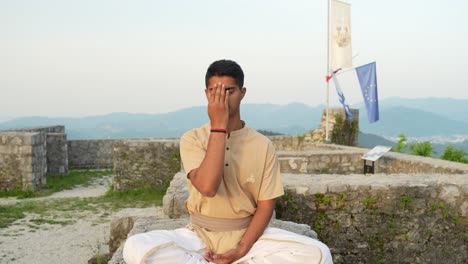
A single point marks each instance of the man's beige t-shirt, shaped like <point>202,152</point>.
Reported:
<point>251,173</point>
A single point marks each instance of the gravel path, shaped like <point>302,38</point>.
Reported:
<point>96,188</point>
<point>27,242</point>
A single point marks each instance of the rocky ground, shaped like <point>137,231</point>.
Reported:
<point>28,240</point>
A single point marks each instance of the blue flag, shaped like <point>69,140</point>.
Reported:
<point>368,80</point>
<point>349,114</point>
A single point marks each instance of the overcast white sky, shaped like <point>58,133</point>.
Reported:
<point>87,57</point>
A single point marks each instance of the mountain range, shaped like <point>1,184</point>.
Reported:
<point>424,118</point>
<point>428,117</point>
<point>287,119</point>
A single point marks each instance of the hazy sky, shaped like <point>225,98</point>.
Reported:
<point>86,57</point>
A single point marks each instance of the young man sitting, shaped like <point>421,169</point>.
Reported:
<point>234,178</point>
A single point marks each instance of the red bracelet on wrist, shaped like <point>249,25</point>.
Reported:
<point>218,130</point>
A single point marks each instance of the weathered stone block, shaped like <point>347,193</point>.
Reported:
<point>176,195</point>
<point>449,193</point>
<point>145,163</point>
<point>18,159</point>
<point>119,229</point>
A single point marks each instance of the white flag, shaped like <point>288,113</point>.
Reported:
<point>340,35</point>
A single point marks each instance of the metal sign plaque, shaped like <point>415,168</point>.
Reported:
<point>375,153</point>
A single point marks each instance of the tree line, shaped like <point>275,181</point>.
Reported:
<point>425,149</point>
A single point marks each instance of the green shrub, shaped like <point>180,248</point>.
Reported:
<point>424,149</point>
<point>401,144</point>
<point>454,154</point>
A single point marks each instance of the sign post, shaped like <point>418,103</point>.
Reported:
<point>373,155</point>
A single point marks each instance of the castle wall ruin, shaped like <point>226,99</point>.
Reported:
<point>22,160</point>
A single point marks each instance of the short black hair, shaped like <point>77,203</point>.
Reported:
<point>225,68</point>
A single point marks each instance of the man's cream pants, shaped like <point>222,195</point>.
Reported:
<point>275,246</point>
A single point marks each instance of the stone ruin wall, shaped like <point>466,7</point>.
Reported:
<point>145,164</point>
<point>42,129</point>
<point>310,139</point>
<point>56,146</point>
<point>26,158</point>
<point>22,160</point>
<point>382,218</point>
<point>57,153</point>
<point>318,135</point>
<point>27,155</point>
<point>333,159</point>
<point>90,154</point>
<point>310,158</point>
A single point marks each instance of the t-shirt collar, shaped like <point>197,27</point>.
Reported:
<point>239,132</point>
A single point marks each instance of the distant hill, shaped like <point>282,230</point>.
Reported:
<point>286,119</point>
<point>411,122</point>
<point>429,117</point>
<point>455,109</point>
<point>369,140</point>
<point>4,118</point>
<point>419,117</point>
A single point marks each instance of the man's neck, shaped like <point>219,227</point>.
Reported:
<point>235,123</point>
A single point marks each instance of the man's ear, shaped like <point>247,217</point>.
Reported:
<point>243,91</point>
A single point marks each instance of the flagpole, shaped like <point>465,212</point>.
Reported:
<point>328,71</point>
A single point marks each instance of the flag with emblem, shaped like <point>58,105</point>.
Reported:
<point>368,80</point>
<point>340,35</point>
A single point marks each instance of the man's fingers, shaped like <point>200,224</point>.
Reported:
<point>220,256</point>
<point>209,256</point>
<point>215,89</point>
<point>220,259</point>
<point>222,94</point>
<point>217,92</point>
<point>217,259</point>
<point>226,99</point>
<point>212,92</point>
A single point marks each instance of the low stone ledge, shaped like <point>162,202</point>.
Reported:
<point>347,160</point>
<point>320,161</point>
<point>393,162</point>
<point>295,143</point>
<point>450,189</point>
<point>396,218</point>
<point>143,225</point>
